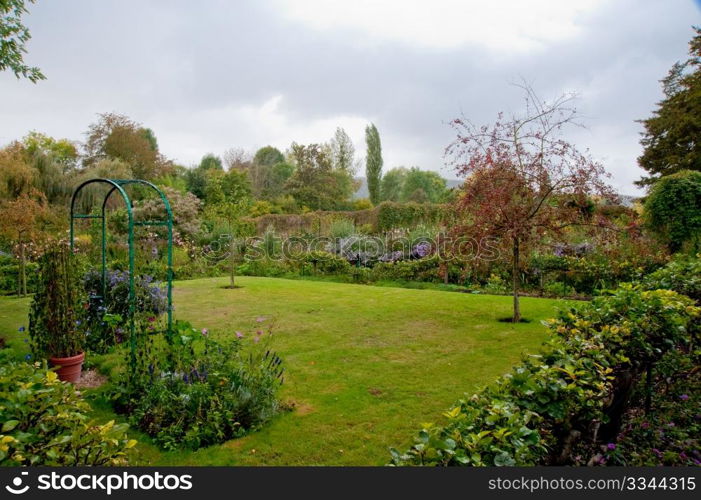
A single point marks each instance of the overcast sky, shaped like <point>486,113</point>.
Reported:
<point>210,75</point>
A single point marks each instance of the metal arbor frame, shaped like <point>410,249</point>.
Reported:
<point>119,185</point>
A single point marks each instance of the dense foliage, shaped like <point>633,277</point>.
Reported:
<point>45,422</point>
<point>570,403</point>
<point>194,391</point>
<point>671,137</point>
<point>54,312</point>
<point>673,210</point>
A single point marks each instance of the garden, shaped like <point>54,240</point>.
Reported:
<point>253,310</point>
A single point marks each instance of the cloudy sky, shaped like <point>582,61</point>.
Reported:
<point>210,75</point>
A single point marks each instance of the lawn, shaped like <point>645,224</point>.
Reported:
<point>365,365</point>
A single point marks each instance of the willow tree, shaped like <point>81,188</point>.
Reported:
<point>22,223</point>
<point>524,181</point>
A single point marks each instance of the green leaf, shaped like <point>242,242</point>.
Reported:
<point>9,425</point>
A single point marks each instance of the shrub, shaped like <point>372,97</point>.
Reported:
<point>263,267</point>
<point>673,209</point>
<point>324,262</point>
<point>426,269</point>
<point>45,422</point>
<point>682,275</point>
<point>9,273</point>
<point>53,314</point>
<point>195,391</point>
<point>576,389</point>
<point>104,318</point>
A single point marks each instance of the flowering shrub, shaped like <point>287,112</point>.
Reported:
<point>196,391</point>
<point>670,434</point>
<point>576,390</point>
<point>104,318</point>
<point>45,422</point>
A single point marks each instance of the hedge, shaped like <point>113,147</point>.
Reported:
<point>575,390</point>
<point>384,217</point>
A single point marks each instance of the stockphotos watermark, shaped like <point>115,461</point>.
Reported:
<point>362,248</point>
<point>98,482</point>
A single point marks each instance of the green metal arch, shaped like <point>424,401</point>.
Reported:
<point>118,185</point>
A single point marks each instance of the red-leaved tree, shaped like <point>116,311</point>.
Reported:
<point>524,182</point>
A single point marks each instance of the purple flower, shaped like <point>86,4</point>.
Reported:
<point>671,424</point>
<point>239,335</point>
<point>684,397</point>
<point>21,328</point>
<point>27,357</point>
<point>611,446</point>
<point>259,332</point>
<point>683,456</point>
<point>656,451</point>
<point>260,319</point>
<point>205,332</point>
<point>645,425</point>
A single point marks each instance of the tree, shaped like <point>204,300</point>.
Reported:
<point>118,137</point>
<point>672,137</point>
<point>185,207</point>
<point>268,173</point>
<point>230,196</point>
<point>237,158</point>
<point>21,223</point>
<point>523,180</point>
<point>16,174</point>
<point>211,162</point>
<point>197,180</point>
<point>61,151</point>
<point>315,183</point>
<point>373,162</point>
<point>392,184</point>
<point>268,156</point>
<point>673,209</point>
<point>342,151</point>
<point>431,185</point>
<point>13,36</point>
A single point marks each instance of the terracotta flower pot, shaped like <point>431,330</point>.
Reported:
<point>69,368</point>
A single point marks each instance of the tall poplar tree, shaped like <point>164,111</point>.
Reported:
<point>373,163</point>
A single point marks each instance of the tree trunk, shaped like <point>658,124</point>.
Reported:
<point>515,281</point>
<point>232,262</point>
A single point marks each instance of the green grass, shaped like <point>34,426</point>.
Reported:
<point>365,366</point>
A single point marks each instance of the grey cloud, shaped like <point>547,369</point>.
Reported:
<point>163,61</point>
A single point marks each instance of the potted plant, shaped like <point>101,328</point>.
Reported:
<point>54,326</point>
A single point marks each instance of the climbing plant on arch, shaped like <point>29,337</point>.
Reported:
<point>118,186</point>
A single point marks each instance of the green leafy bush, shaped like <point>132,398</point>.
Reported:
<point>391,215</point>
<point>45,422</point>
<point>324,262</point>
<point>576,389</point>
<point>54,312</point>
<point>195,391</point>
<point>682,275</point>
<point>9,272</point>
<point>426,269</point>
